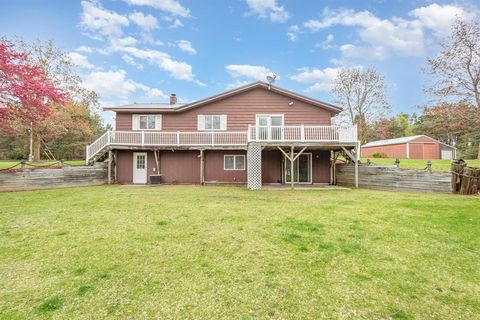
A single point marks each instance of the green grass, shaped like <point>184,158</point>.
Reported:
<point>191,252</point>
<point>9,163</point>
<point>437,165</point>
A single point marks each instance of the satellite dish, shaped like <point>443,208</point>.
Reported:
<point>271,79</point>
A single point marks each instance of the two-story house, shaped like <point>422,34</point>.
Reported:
<point>248,135</point>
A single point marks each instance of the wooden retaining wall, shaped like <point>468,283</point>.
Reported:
<point>393,178</point>
<point>31,179</point>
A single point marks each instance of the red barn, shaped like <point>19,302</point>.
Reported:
<point>413,147</point>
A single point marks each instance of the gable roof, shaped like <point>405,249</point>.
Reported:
<point>399,141</point>
<point>165,107</point>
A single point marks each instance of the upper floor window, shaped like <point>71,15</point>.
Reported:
<point>147,122</point>
<point>212,122</point>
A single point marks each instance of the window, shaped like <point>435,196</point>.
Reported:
<point>140,161</point>
<point>269,127</point>
<point>234,162</point>
<point>147,122</point>
<point>212,122</point>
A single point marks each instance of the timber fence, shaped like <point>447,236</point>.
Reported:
<point>56,175</point>
<point>394,179</point>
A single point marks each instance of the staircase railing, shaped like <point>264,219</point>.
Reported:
<point>97,145</point>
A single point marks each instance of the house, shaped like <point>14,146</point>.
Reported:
<point>248,135</point>
<point>413,147</point>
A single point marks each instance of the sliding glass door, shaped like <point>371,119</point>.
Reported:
<point>302,169</point>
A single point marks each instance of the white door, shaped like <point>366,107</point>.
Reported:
<point>269,127</point>
<point>139,167</point>
<point>447,154</point>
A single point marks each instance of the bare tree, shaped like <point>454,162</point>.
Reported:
<point>456,69</point>
<point>363,95</point>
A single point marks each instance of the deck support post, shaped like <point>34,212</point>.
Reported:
<point>202,167</point>
<point>157,160</point>
<point>356,166</point>
<point>109,174</point>
<point>115,161</point>
<point>332,159</point>
<point>291,167</point>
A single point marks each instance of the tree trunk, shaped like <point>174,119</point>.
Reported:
<point>37,145</point>
<point>478,154</point>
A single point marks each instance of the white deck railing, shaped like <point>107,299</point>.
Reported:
<point>302,133</point>
<point>171,138</point>
<point>341,134</point>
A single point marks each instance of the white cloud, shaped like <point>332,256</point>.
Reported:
<point>110,83</point>
<point>130,61</point>
<point>237,84</point>
<point>177,69</point>
<point>292,32</point>
<point>369,53</point>
<point>107,23</point>
<point>114,84</point>
<point>85,49</point>
<point>155,93</point>
<point>186,46</point>
<point>249,71</point>
<point>327,43</point>
<point>317,79</point>
<point>176,24</point>
<point>268,9</point>
<point>120,43</point>
<point>170,6</point>
<point>398,35</point>
<point>145,22</point>
<point>439,18</point>
<point>380,38</point>
<point>80,60</point>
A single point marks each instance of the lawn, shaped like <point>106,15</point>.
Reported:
<point>437,165</point>
<point>16,163</point>
<point>191,252</point>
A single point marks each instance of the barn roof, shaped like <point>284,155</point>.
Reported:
<point>399,141</point>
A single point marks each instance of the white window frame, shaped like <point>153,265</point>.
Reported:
<point>270,121</point>
<point>234,162</point>
<point>158,122</point>
<point>212,115</point>
<point>269,126</point>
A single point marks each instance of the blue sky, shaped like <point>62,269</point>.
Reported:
<point>143,50</point>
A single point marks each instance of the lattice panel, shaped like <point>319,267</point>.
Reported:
<point>254,167</point>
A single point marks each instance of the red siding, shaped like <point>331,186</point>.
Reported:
<point>321,166</point>
<point>427,151</point>
<point>392,151</point>
<point>420,148</point>
<point>240,110</point>
<point>125,165</point>
<point>180,166</point>
<point>214,171</point>
<point>272,166</point>
<point>175,167</point>
<point>184,166</point>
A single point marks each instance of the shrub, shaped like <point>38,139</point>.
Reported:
<point>379,155</point>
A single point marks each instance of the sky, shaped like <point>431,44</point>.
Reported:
<point>144,50</point>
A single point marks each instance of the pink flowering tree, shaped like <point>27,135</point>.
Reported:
<point>26,93</point>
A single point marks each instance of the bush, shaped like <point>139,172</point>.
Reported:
<point>379,155</point>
